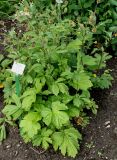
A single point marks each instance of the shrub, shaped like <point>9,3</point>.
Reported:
<point>60,73</point>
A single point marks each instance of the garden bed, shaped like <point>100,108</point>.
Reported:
<point>99,142</point>
<point>65,60</point>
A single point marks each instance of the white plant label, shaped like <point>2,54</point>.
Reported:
<point>18,68</point>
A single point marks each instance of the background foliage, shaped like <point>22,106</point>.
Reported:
<point>7,8</point>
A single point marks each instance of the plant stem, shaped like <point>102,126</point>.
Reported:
<point>17,85</point>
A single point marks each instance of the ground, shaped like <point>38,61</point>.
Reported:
<point>99,137</point>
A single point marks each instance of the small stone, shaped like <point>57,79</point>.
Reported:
<point>18,145</point>
<point>115,130</point>
<point>108,126</point>
<point>16,153</point>
<point>8,146</point>
<point>26,156</point>
<point>107,122</point>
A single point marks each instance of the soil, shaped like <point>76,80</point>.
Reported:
<point>99,137</point>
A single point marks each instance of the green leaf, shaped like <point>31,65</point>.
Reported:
<point>5,63</point>
<point>63,88</point>
<point>113,2</point>
<point>46,92</point>
<point>43,138</point>
<point>1,57</point>
<point>66,98</point>
<point>30,125</point>
<point>57,138</point>
<point>55,89</point>
<point>67,141</point>
<point>56,115</point>
<point>77,101</point>
<point>38,68</point>
<point>39,83</point>
<point>16,100</point>
<point>81,81</point>
<point>2,133</point>
<point>88,60</point>
<point>74,45</point>
<point>2,120</point>
<point>28,92</point>
<point>59,116</point>
<point>73,111</point>
<point>12,110</point>
<point>29,97</point>
<point>28,78</point>
<point>47,115</point>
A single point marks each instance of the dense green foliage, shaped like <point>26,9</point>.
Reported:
<point>65,59</point>
<point>100,15</point>
<point>7,8</point>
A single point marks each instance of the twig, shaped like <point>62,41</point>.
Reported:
<point>37,151</point>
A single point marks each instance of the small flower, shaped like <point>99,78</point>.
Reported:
<point>59,1</point>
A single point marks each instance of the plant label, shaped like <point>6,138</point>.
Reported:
<point>18,68</point>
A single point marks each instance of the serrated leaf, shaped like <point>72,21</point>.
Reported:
<point>38,68</point>
<point>43,138</point>
<point>16,100</point>
<point>38,85</point>
<point>55,115</point>
<point>67,141</point>
<point>27,102</point>
<point>66,98</point>
<point>46,92</point>
<point>63,88</point>
<point>73,111</point>
<point>2,133</point>
<point>57,138</point>
<point>5,63</point>
<point>28,92</point>
<point>88,60</point>
<point>11,110</point>
<point>81,81</point>
<point>29,97</point>
<point>59,116</point>
<point>55,89</point>
<point>77,101</point>
<point>28,78</point>
<point>29,124</point>
<point>74,45</point>
<point>47,115</point>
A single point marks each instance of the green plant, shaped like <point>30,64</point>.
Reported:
<point>7,8</point>
<point>56,85</point>
<point>89,145</point>
<point>100,15</point>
